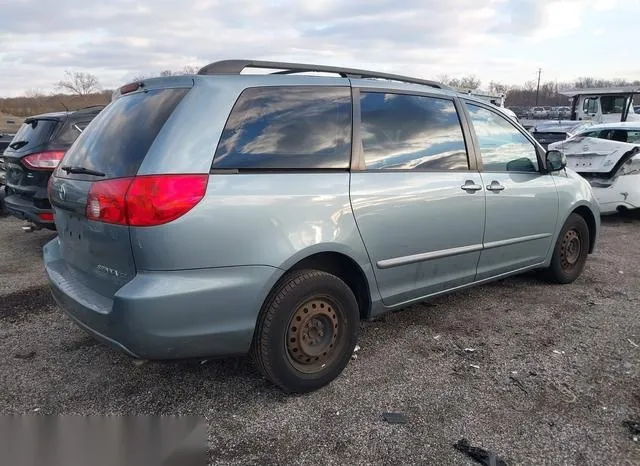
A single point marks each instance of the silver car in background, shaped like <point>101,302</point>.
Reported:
<point>225,213</point>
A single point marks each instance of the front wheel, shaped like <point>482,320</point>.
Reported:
<point>570,252</point>
<point>306,331</point>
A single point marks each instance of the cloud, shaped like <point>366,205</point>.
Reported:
<point>122,38</point>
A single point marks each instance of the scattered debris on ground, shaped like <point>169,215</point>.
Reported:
<point>27,355</point>
<point>482,456</point>
<point>634,429</point>
<point>408,362</point>
<point>394,418</point>
<point>519,384</point>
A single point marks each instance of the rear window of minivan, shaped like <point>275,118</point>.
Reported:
<point>117,140</point>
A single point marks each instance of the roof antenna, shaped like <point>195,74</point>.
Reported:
<point>62,103</point>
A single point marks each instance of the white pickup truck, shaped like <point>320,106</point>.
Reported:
<point>604,105</point>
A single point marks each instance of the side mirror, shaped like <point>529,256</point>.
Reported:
<point>556,160</point>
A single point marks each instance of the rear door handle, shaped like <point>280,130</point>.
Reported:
<point>470,186</point>
<point>495,186</point>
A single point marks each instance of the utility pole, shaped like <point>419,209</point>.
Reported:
<point>538,89</point>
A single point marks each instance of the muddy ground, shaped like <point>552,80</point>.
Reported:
<point>552,379</point>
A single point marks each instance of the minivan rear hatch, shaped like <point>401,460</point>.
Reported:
<point>112,147</point>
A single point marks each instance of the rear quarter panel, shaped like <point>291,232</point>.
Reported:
<point>272,219</point>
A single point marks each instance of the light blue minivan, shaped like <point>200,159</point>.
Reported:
<point>227,213</point>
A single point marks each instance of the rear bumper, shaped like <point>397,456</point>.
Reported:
<point>167,315</point>
<point>24,209</point>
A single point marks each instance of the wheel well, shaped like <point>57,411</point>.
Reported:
<point>588,217</point>
<point>345,269</point>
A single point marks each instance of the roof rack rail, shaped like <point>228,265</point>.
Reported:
<point>237,66</point>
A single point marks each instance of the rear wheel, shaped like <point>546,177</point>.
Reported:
<point>307,331</point>
<point>570,252</point>
<point>3,209</point>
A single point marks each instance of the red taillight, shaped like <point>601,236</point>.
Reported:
<point>46,216</point>
<point>145,200</point>
<point>154,200</point>
<point>44,160</point>
<point>106,201</point>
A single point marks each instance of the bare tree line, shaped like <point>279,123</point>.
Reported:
<point>525,94</point>
<point>76,90</point>
<point>81,89</point>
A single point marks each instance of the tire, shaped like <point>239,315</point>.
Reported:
<point>3,209</point>
<point>306,331</point>
<point>570,252</point>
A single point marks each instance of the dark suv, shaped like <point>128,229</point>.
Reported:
<point>31,157</point>
<point>5,139</point>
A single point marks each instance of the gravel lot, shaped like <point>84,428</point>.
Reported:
<point>558,371</point>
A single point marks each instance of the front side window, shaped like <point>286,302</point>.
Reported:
<point>301,127</point>
<point>409,132</point>
<point>590,105</point>
<point>502,146</point>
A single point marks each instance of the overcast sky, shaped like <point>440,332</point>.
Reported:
<point>502,40</point>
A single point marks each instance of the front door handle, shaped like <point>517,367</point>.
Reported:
<point>470,186</point>
<point>495,186</point>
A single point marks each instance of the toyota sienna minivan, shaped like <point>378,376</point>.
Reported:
<point>224,213</point>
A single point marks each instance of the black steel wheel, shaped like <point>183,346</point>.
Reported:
<point>306,331</point>
<point>570,252</point>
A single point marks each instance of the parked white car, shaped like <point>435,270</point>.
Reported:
<point>608,156</point>
<point>539,112</point>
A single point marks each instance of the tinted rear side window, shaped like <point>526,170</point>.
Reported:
<point>33,134</point>
<point>117,140</point>
<point>71,130</point>
<point>411,132</point>
<point>287,128</point>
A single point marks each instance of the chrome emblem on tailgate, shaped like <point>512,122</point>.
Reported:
<point>110,271</point>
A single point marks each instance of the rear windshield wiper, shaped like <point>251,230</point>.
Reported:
<point>18,144</point>
<point>82,171</point>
